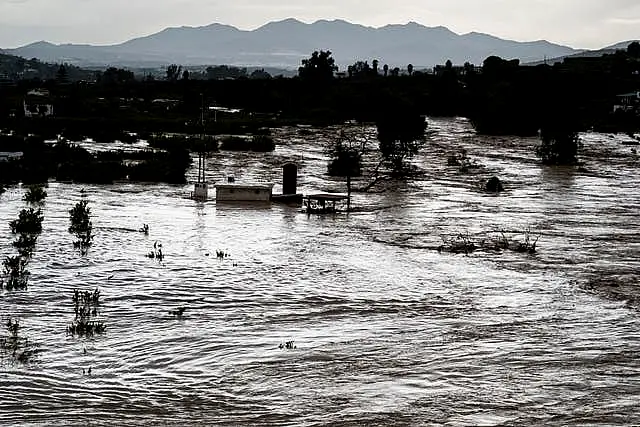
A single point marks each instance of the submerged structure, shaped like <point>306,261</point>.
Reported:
<point>323,203</point>
<point>289,195</point>
<point>201,189</point>
<point>233,192</point>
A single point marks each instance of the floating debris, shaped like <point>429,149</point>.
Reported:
<point>289,345</point>
<point>178,312</point>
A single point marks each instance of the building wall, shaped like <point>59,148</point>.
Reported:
<point>38,109</point>
<point>242,194</point>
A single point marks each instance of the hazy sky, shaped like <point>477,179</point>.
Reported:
<point>577,23</point>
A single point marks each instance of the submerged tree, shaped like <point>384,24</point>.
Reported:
<point>346,158</point>
<point>81,226</point>
<point>29,222</point>
<point>16,276</point>
<point>35,194</point>
<point>558,146</point>
<point>401,135</point>
<point>559,136</point>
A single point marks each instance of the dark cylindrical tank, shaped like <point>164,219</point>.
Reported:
<point>289,178</point>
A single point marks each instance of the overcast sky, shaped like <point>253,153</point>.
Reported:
<point>577,23</point>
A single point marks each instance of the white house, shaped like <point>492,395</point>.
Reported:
<point>6,156</point>
<point>627,102</point>
<point>37,103</point>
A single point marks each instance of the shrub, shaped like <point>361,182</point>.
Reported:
<point>25,244</point>
<point>35,194</point>
<point>20,349</point>
<point>29,222</point>
<point>16,275</point>
<point>558,146</point>
<point>81,226</point>
<point>345,163</point>
<point>86,309</point>
<point>494,185</point>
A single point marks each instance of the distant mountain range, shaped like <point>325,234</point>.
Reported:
<point>586,53</point>
<point>285,43</point>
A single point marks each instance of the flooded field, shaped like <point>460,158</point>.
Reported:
<point>387,330</point>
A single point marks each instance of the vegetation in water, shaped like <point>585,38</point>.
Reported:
<point>559,146</point>
<point>35,194</point>
<point>156,253</point>
<point>494,185</point>
<point>25,244</point>
<point>29,222</point>
<point>14,346</point>
<point>81,226</point>
<point>15,274</point>
<point>463,243</point>
<point>288,345</point>
<point>462,160</point>
<point>85,305</point>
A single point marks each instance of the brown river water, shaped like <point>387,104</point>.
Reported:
<point>387,329</point>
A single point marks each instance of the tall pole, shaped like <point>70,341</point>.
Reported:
<point>202,138</point>
<point>349,191</point>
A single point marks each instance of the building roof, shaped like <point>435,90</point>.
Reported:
<point>264,186</point>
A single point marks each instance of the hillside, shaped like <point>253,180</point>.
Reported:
<point>17,68</point>
<point>285,43</point>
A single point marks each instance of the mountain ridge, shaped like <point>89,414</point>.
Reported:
<point>284,43</point>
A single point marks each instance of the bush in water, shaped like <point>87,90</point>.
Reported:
<point>29,221</point>
<point>35,194</point>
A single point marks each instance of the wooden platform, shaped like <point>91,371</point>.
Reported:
<point>322,202</point>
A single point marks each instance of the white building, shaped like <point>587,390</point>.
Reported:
<point>6,156</point>
<point>37,103</point>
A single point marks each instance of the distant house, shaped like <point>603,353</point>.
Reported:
<point>627,102</point>
<point>38,103</point>
<point>459,70</point>
<point>6,156</point>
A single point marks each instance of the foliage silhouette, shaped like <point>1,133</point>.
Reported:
<point>319,67</point>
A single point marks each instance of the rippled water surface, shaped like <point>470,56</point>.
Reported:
<point>387,329</point>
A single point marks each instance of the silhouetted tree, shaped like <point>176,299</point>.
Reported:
<point>225,72</point>
<point>374,64</point>
<point>559,145</point>
<point>401,134</point>
<point>320,66</point>
<point>173,72</point>
<point>185,75</point>
<point>494,66</point>
<point>62,75</point>
<point>113,75</point>
<point>361,69</point>
<point>259,74</point>
<point>346,158</point>
<point>469,69</point>
<point>633,50</point>
<point>385,69</point>
<point>410,69</point>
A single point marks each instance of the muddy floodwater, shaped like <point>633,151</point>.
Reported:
<point>387,330</point>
